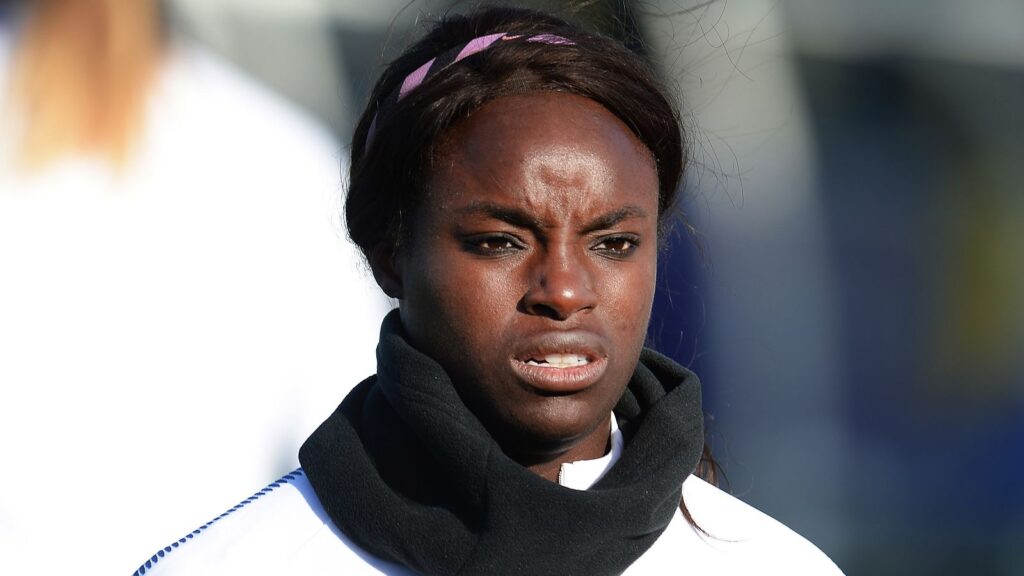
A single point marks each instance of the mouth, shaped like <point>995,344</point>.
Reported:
<point>559,361</point>
<point>559,373</point>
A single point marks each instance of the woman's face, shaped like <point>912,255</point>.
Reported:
<point>530,269</point>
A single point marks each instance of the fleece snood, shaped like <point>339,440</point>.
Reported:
<point>409,474</point>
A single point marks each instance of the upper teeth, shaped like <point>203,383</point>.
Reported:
<point>560,360</point>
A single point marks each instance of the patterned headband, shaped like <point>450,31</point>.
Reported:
<point>441,62</point>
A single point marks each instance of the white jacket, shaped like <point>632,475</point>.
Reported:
<point>284,530</point>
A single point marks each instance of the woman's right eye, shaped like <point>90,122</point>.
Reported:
<point>492,245</point>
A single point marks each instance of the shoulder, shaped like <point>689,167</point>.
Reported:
<point>202,93</point>
<point>208,115</point>
<point>731,538</point>
<point>282,529</point>
<point>731,533</point>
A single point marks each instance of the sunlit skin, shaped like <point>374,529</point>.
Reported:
<point>538,235</point>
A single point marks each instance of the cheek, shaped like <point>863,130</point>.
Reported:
<point>630,308</point>
<point>475,292</point>
<point>455,302</point>
<point>631,292</point>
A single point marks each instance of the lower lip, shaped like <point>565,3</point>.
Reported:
<point>551,380</point>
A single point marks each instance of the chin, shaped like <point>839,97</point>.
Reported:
<point>554,427</point>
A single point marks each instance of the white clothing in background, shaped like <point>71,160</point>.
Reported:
<point>171,334</point>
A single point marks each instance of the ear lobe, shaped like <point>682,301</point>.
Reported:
<point>386,271</point>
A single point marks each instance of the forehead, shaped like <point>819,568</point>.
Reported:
<point>543,148</point>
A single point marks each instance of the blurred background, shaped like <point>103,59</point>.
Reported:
<point>853,297</point>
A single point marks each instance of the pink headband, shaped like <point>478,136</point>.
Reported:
<point>438,63</point>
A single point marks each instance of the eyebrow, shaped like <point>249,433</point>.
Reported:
<point>522,219</point>
<point>512,216</point>
<point>611,219</point>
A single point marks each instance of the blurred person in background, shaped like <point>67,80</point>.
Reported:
<point>177,306</point>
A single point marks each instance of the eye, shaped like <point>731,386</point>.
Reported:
<point>617,246</point>
<point>492,244</point>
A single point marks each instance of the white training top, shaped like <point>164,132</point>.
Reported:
<point>284,530</point>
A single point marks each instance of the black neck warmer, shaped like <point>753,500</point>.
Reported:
<point>411,476</point>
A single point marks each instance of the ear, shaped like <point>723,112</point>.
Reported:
<point>387,271</point>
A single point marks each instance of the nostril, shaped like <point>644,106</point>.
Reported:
<point>560,286</point>
<point>541,309</point>
<point>557,301</point>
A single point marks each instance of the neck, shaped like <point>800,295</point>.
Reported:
<point>547,463</point>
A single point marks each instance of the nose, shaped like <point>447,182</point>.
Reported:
<point>561,286</point>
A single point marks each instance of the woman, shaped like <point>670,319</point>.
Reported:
<point>509,182</point>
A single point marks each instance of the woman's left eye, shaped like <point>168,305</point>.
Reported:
<point>618,246</point>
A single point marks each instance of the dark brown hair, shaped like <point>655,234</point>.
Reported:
<point>388,176</point>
